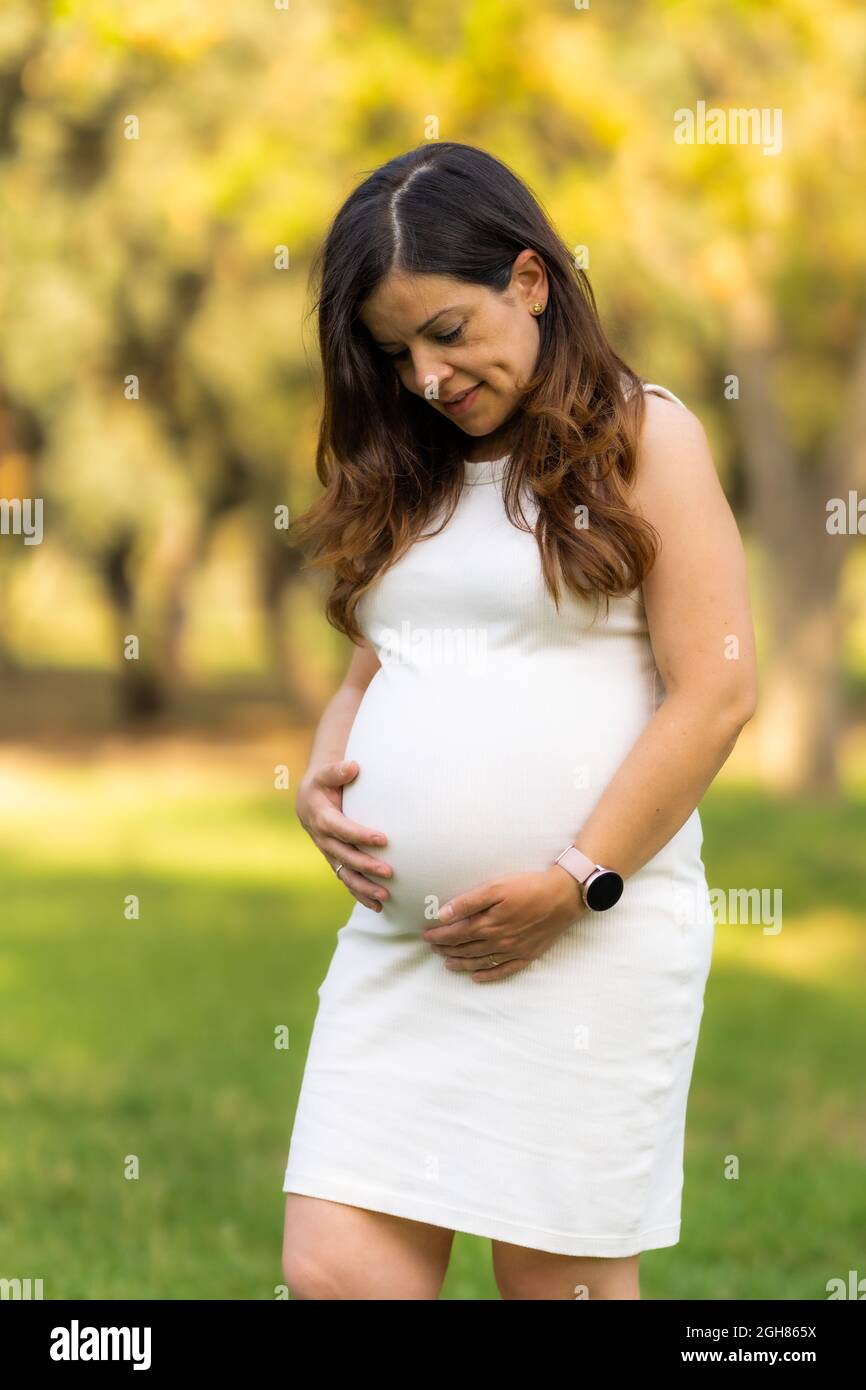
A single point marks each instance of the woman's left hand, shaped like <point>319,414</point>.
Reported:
<point>512,919</point>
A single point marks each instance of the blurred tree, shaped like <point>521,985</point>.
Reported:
<point>770,250</point>
<point>22,440</point>
<point>155,159</point>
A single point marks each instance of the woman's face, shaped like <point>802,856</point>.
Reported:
<point>446,338</point>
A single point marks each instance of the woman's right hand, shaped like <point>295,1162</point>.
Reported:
<point>319,806</point>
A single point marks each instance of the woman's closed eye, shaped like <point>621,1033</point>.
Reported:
<point>451,337</point>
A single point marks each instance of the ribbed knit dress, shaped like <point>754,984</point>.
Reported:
<point>546,1109</point>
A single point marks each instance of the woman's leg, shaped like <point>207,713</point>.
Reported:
<point>522,1273</point>
<point>333,1251</point>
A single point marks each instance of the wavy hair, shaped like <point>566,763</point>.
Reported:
<point>388,461</point>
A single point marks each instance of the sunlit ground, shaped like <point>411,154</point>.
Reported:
<point>154,1037</point>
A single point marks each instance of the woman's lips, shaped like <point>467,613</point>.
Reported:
<point>465,403</point>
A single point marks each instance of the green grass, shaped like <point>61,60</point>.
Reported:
<point>155,1038</point>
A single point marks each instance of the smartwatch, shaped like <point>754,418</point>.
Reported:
<point>600,887</point>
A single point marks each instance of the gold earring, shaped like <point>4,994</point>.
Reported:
<point>537,308</point>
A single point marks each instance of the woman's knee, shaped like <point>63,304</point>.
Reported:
<point>332,1251</point>
<point>310,1277</point>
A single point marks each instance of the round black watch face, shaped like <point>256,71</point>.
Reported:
<point>604,891</point>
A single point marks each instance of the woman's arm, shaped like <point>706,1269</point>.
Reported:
<point>329,743</point>
<point>319,802</point>
<point>700,624</point>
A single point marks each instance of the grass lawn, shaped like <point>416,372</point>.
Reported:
<point>152,1040</point>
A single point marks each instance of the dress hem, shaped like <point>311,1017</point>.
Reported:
<point>475,1224</point>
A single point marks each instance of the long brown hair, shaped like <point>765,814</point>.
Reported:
<point>388,460</point>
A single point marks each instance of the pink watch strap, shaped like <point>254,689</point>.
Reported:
<point>576,863</point>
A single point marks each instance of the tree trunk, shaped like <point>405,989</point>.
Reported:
<point>800,715</point>
<point>141,693</point>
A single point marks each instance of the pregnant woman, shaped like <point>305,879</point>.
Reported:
<point>547,594</point>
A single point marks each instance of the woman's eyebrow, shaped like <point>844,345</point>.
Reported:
<point>420,329</point>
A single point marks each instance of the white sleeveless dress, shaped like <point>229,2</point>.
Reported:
<point>546,1109</point>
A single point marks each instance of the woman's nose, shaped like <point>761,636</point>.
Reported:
<point>430,375</point>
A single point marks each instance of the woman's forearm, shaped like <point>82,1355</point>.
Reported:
<point>332,731</point>
<point>659,783</point>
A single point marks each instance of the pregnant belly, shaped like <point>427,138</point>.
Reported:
<point>473,780</point>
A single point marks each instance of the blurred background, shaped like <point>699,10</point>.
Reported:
<point>167,171</point>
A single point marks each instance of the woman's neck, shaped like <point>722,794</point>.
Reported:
<point>491,446</point>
